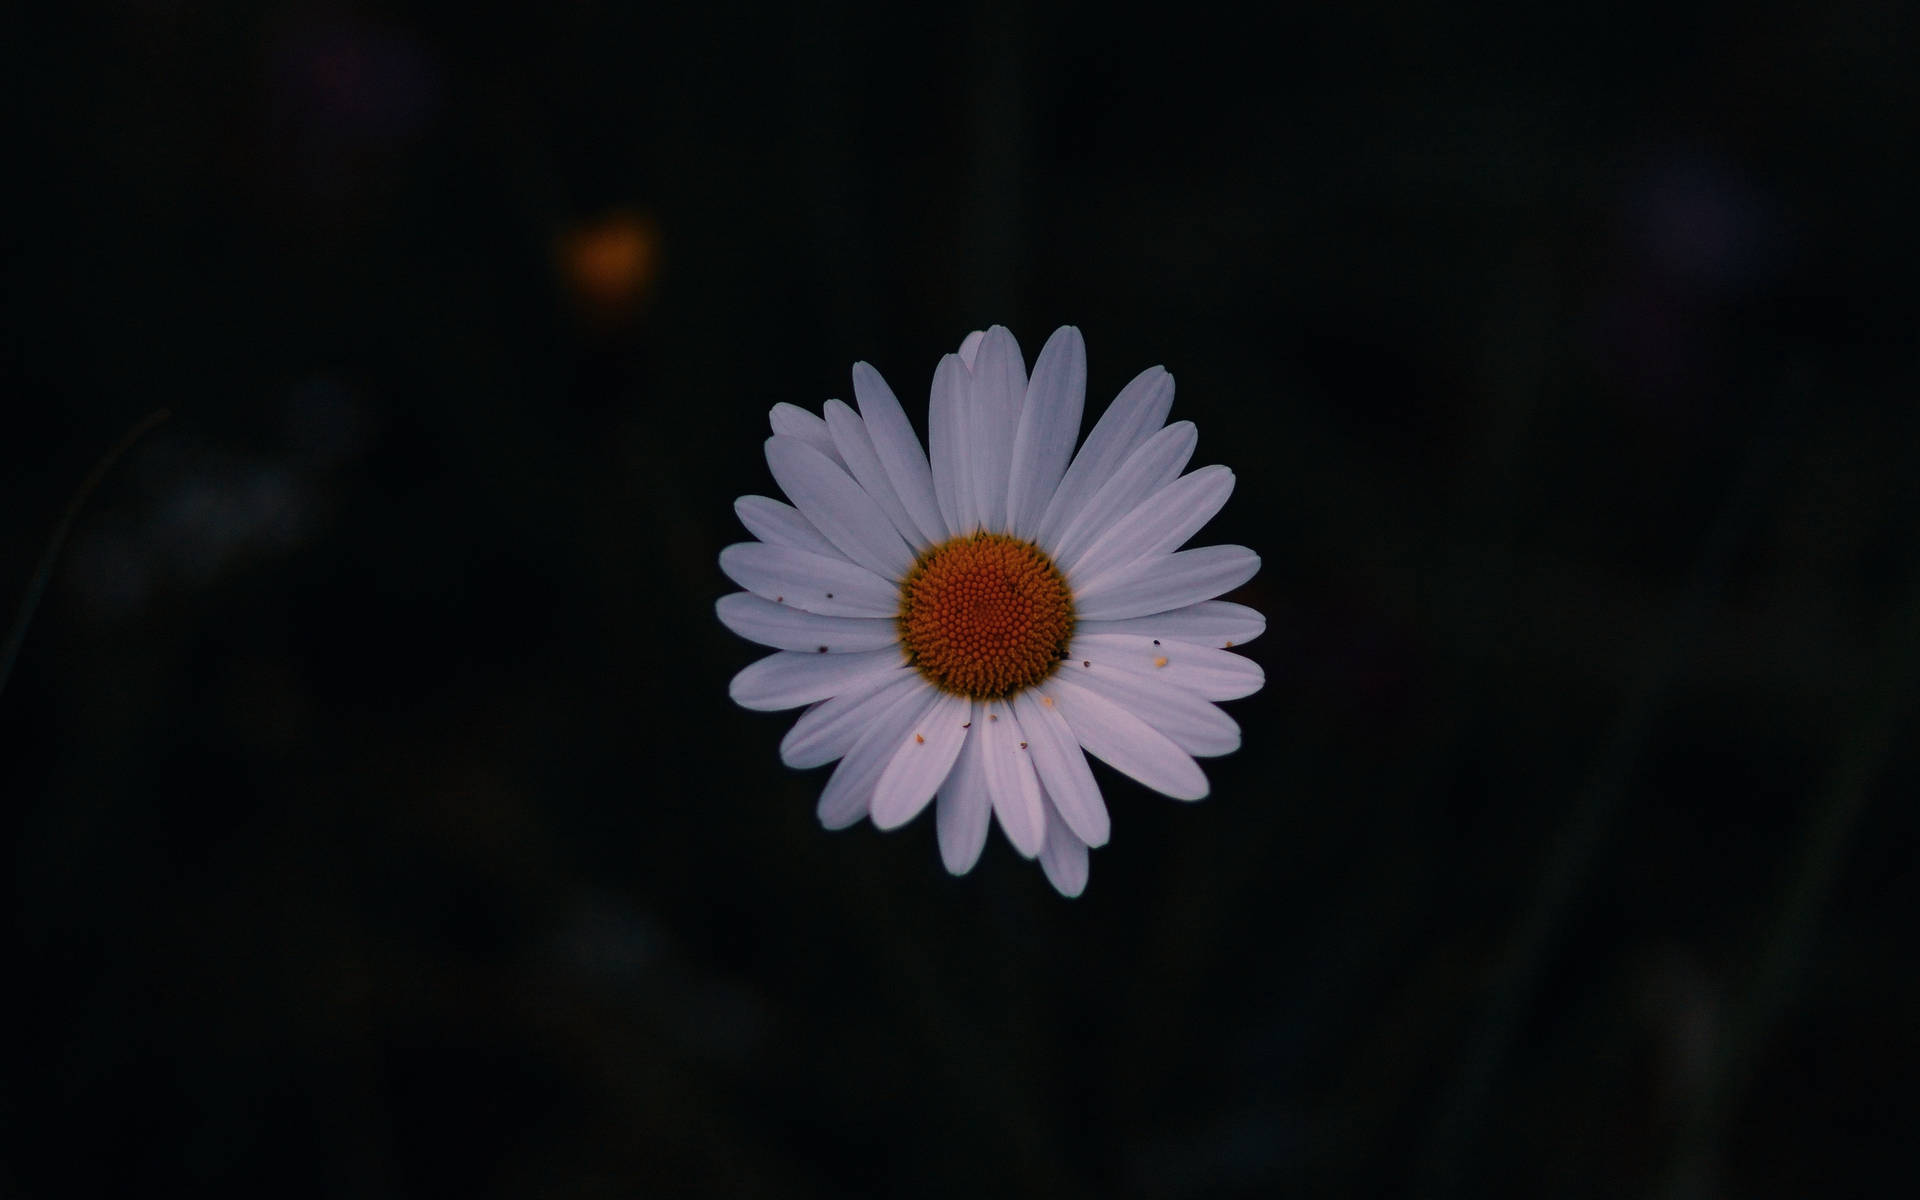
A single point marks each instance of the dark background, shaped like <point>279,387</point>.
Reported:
<point>377,822</point>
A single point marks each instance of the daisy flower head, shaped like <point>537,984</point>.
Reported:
<point>965,624</point>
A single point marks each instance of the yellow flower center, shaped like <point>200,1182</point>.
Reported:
<point>985,615</point>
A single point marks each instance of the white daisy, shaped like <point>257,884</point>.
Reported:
<point>963,629</point>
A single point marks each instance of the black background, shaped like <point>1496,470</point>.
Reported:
<point>378,824</point>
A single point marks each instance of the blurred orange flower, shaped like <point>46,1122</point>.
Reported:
<point>610,263</point>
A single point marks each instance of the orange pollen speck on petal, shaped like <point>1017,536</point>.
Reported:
<point>985,615</point>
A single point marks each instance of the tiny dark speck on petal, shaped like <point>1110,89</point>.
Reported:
<point>829,595</point>
<point>823,649</point>
<point>1085,663</point>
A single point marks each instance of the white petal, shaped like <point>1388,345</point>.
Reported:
<point>814,582</point>
<point>1135,415</point>
<point>1208,673</point>
<point>856,449</point>
<point>1153,466</point>
<point>790,420</point>
<point>1062,768</point>
<point>947,445</point>
<point>921,762</point>
<point>1064,857</point>
<point>899,450</point>
<point>1126,743</point>
<point>970,346</point>
<point>788,679</point>
<point>1157,525</point>
<point>1049,425</point>
<point>963,809</point>
<point>830,728</point>
<point>1195,725</point>
<point>838,507</point>
<point>998,388</point>
<point>1208,623</point>
<point>781,525</point>
<point>1011,780</point>
<point>1168,582</point>
<point>849,792</point>
<point>785,628</point>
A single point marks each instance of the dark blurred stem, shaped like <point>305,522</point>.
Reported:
<point>999,165</point>
<point>44,571</point>
<point>1782,959</point>
<point>1570,859</point>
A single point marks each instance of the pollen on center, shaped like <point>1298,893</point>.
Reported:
<point>985,615</point>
